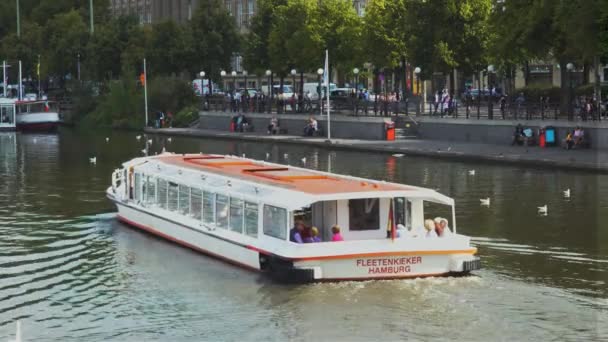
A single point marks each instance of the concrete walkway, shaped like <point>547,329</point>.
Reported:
<point>590,160</point>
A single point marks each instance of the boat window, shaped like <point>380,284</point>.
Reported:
<point>137,186</point>
<point>151,190</point>
<point>403,209</point>
<point>236,215</point>
<point>6,115</point>
<point>251,219</point>
<point>196,202</point>
<point>172,196</point>
<point>221,211</point>
<point>275,222</point>
<point>208,209</point>
<point>364,214</point>
<point>161,199</point>
<point>184,200</point>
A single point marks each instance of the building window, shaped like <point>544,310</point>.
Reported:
<point>236,215</point>
<point>138,186</point>
<point>221,211</point>
<point>251,219</point>
<point>239,13</point>
<point>228,5</point>
<point>208,209</point>
<point>364,214</point>
<point>196,202</point>
<point>275,222</point>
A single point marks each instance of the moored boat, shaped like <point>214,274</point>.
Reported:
<point>242,211</point>
<point>37,115</point>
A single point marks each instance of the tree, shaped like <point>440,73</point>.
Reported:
<point>66,44</point>
<point>168,48</point>
<point>256,43</point>
<point>25,49</point>
<point>215,38</point>
<point>341,29</point>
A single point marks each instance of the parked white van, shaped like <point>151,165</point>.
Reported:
<point>313,88</point>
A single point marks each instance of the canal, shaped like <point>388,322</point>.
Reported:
<point>69,271</point>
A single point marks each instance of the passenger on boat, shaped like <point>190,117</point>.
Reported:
<point>402,232</point>
<point>314,235</point>
<point>336,234</point>
<point>295,234</point>
<point>429,229</point>
<point>441,227</point>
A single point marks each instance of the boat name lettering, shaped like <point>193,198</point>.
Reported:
<point>388,265</point>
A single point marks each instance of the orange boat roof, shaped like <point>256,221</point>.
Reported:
<point>293,178</point>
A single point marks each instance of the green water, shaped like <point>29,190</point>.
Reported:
<point>70,272</point>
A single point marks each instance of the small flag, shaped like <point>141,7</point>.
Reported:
<point>391,221</point>
<point>142,79</point>
<point>46,106</point>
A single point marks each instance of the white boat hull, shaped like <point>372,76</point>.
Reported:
<point>38,121</point>
<point>364,266</point>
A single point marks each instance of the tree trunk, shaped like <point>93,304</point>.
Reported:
<point>526,73</point>
<point>565,93</point>
<point>585,73</point>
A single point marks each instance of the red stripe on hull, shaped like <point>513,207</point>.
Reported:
<point>42,126</point>
<point>185,244</point>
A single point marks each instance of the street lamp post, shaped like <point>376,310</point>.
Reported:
<point>320,74</point>
<point>203,95</point>
<point>223,75</point>
<point>245,77</point>
<point>490,102</point>
<point>356,99</point>
<point>294,72</point>
<point>570,67</point>
<point>269,75</point>
<point>417,71</point>
<point>233,73</point>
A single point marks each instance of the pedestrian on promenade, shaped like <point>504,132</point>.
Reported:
<point>519,103</point>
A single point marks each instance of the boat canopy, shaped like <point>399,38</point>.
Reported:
<point>289,187</point>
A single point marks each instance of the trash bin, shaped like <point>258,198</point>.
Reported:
<point>389,127</point>
<point>541,137</point>
<point>550,136</point>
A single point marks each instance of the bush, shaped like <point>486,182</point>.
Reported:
<point>170,94</point>
<point>121,107</point>
<point>185,117</point>
<point>589,90</point>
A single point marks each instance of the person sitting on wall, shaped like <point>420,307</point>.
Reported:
<point>569,141</point>
<point>241,123</point>
<point>311,127</point>
<point>273,127</point>
<point>518,135</point>
<point>336,234</point>
<point>579,136</point>
<point>529,137</point>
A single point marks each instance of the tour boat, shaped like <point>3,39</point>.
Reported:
<point>37,115</point>
<point>243,210</point>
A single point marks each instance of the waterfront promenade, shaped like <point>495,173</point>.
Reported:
<point>553,157</point>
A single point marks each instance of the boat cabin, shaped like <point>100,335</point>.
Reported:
<point>258,202</point>
<point>7,114</point>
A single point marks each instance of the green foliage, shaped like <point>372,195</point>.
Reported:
<point>84,100</point>
<point>215,38</point>
<point>533,93</point>
<point>67,38</point>
<point>121,107</point>
<point>170,94</point>
<point>255,50</point>
<point>185,117</point>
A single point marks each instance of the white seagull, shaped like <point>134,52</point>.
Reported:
<point>304,160</point>
<point>138,137</point>
<point>244,156</point>
<point>150,142</point>
<point>144,151</point>
<point>485,201</point>
<point>267,155</point>
<point>285,156</point>
<point>398,155</point>
<point>17,333</point>
<point>543,210</point>
<point>169,139</point>
<point>471,172</point>
<point>164,150</point>
<point>567,193</point>
<point>107,139</point>
<point>93,160</point>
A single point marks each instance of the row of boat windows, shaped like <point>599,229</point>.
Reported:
<point>212,209</point>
